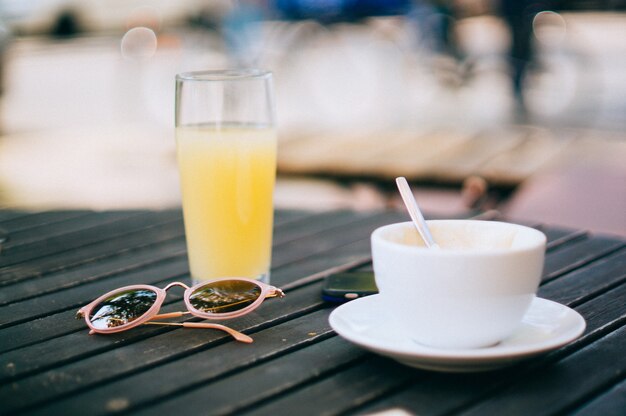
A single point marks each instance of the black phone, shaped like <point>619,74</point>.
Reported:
<point>342,287</point>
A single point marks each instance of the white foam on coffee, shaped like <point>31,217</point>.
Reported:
<point>462,237</point>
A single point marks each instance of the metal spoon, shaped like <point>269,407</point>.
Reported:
<point>415,213</point>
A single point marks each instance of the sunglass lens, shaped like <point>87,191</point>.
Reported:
<point>224,296</point>
<point>121,308</point>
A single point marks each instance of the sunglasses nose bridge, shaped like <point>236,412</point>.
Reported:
<point>184,286</point>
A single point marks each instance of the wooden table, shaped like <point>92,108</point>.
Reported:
<point>55,262</point>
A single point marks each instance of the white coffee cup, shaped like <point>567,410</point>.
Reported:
<point>472,292</point>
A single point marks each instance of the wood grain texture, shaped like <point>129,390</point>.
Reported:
<point>296,365</point>
<point>609,403</point>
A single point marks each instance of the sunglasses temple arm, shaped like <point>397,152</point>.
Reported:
<point>235,334</point>
<point>168,315</point>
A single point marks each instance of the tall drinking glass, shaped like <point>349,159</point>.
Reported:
<point>226,148</point>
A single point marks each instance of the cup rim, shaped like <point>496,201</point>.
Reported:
<point>222,75</point>
<point>538,242</point>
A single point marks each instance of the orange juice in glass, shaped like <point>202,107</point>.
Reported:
<point>226,148</point>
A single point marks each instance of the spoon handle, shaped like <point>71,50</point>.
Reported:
<point>415,213</point>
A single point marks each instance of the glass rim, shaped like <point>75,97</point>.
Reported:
<point>221,75</point>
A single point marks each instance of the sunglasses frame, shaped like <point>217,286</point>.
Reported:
<point>151,313</point>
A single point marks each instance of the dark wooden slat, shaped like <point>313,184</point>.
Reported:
<point>437,393</point>
<point>165,229</point>
<point>593,367</point>
<point>285,216</point>
<point>78,296</point>
<point>448,393</point>
<point>260,382</point>
<point>73,384</point>
<point>76,345</point>
<point>600,275</point>
<point>37,220</point>
<point>323,264</point>
<point>93,271</point>
<point>316,294</point>
<point>321,222</point>
<point>25,309</point>
<point>40,329</point>
<point>56,229</point>
<point>198,365</point>
<point>610,403</point>
<point>561,237</point>
<point>334,395</point>
<point>577,253</point>
<point>556,236</point>
<point>153,234</point>
<point>602,314</point>
<point>322,259</point>
<point>102,228</point>
<point>11,214</point>
<point>344,396</point>
<point>328,240</point>
<point>56,326</point>
<point>553,233</point>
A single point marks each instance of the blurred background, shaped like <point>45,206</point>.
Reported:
<point>509,105</point>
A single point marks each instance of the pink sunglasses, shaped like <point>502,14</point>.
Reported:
<point>130,306</point>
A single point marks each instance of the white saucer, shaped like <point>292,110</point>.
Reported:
<point>546,326</point>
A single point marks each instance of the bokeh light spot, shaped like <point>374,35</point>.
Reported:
<point>139,43</point>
